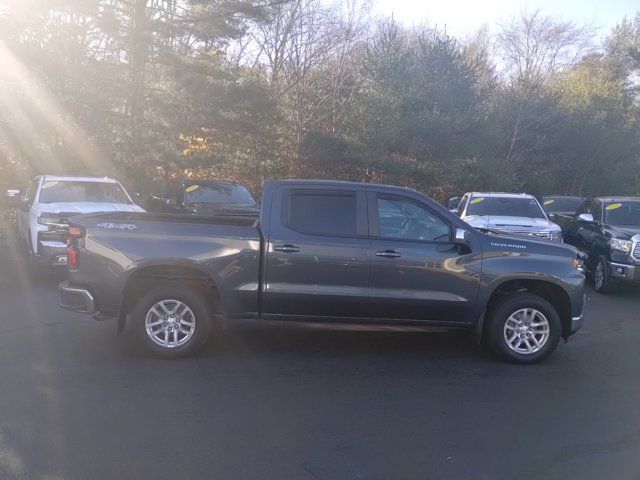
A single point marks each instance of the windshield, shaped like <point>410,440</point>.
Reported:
<point>505,207</point>
<point>561,204</point>
<point>623,214</point>
<point>78,191</point>
<point>220,193</point>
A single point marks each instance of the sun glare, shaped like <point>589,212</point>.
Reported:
<point>23,92</point>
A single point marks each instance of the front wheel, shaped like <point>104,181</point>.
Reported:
<point>172,321</point>
<point>523,328</point>
<point>601,280</point>
<point>34,269</point>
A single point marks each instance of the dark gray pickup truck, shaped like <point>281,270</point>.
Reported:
<point>607,230</point>
<point>323,251</point>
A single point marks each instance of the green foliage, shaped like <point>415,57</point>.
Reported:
<point>421,110</point>
<point>257,89</point>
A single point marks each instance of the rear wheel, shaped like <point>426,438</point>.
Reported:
<point>172,321</point>
<point>523,328</point>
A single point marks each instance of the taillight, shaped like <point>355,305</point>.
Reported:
<point>73,255</point>
<point>75,231</point>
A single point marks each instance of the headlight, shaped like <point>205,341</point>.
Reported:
<point>555,236</point>
<point>621,245</point>
<point>46,221</point>
<point>52,223</point>
<point>578,264</point>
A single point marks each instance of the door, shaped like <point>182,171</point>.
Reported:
<point>582,234</point>
<point>318,255</point>
<point>572,232</point>
<point>417,271</point>
<point>591,232</point>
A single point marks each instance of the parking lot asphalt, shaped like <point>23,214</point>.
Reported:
<point>78,401</point>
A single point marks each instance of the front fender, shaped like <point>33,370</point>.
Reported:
<point>500,268</point>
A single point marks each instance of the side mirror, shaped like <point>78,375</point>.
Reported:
<point>585,217</point>
<point>462,236</point>
<point>552,216</point>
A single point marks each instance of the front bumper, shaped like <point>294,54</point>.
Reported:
<point>578,320</point>
<point>77,299</point>
<point>574,287</point>
<point>623,272</point>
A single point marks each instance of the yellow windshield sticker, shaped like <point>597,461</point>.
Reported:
<point>48,185</point>
<point>548,202</point>
<point>613,206</point>
<point>477,200</point>
<point>192,188</point>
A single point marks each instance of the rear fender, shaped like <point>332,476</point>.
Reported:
<point>168,270</point>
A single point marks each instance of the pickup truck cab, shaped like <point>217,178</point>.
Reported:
<point>607,229</point>
<point>517,214</point>
<point>49,201</point>
<point>324,251</point>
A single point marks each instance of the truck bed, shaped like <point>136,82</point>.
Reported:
<point>228,246</point>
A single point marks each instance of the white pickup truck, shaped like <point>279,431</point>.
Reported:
<point>511,214</point>
<point>49,201</point>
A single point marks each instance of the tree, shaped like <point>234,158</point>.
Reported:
<point>622,48</point>
<point>533,49</point>
<point>599,138</point>
<point>307,52</point>
<point>116,72</point>
<point>421,116</point>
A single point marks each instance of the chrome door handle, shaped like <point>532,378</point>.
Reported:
<point>388,254</point>
<point>286,248</point>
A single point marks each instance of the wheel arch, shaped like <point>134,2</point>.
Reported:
<point>147,276</point>
<point>599,250</point>
<point>551,292</point>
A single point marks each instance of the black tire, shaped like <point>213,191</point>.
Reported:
<point>201,316</point>
<point>510,305</point>
<point>34,269</point>
<point>601,278</point>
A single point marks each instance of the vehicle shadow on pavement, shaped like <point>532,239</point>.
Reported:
<point>243,338</point>
<point>16,272</point>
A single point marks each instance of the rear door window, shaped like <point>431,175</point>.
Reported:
<point>323,212</point>
<point>584,208</point>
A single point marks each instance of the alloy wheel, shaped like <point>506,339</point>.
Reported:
<point>526,331</point>
<point>170,323</point>
<point>598,276</point>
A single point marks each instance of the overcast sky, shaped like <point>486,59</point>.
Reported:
<point>463,17</point>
